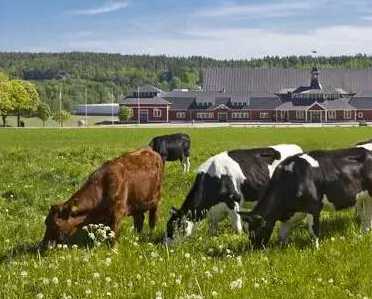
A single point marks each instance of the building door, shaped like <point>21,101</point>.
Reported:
<point>316,116</point>
<point>222,116</point>
<point>144,116</point>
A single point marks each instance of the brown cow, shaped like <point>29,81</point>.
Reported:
<point>129,185</point>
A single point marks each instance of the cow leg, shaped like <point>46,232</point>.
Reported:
<point>235,218</point>
<point>286,227</point>
<point>188,164</point>
<point>314,227</point>
<point>138,220</point>
<point>183,163</point>
<point>153,217</point>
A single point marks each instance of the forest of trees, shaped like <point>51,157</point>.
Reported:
<point>103,77</point>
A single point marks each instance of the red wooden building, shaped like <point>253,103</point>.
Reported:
<point>316,102</point>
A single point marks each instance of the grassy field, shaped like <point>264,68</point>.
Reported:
<point>41,167</point>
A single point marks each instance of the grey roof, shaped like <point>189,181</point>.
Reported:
<point>364,93</point>
<point>264,103</point>
<point>146,88</point>
<point>145,101</point>
<point>263,82</point>
<point>180,103</point>
<point>362,102</point>
<point>338,104</point>
<point>341,104</point>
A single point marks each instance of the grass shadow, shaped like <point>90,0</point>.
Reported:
<point>21,250</point>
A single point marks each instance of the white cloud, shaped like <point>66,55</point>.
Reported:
<point>109,6</point>
<point>238,43</point>
<point>264,10</point>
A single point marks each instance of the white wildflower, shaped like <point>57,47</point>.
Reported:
<point>214,294</point>
<point>55,280</point>
<point>187,255</point>
<point>236,284</point>
<point>24,274</point>
<point>108,279</point>
<point>88,291</point>
<point>39,296</point>
<point>45,281</point>
<point>108,261</point>
<point>96,275</point>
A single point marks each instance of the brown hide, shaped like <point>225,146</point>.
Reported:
<point>126,186</point>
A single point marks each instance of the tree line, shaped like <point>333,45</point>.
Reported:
<point>103,78</point>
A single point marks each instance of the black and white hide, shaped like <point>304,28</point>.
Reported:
<point>303,183</point>
<point>223,183</point>
<point>173,147</point>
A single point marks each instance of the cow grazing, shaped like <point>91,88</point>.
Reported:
<point>302,183</point>
<point>223,182</point>
<point>129,185</point>
<point>173,147</point>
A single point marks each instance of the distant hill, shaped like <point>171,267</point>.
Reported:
<point>104,75</point>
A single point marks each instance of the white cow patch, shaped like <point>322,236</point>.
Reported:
<point>189,228</point>
<point>285,150</point>
<point>310,160</point>
<point>222,164</point>
<point>367,146</point>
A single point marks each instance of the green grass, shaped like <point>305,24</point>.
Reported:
<point>41,167</point>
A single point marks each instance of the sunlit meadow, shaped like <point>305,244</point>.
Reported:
<point>42,167</point>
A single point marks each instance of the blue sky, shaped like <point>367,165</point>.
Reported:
<point>215,28</point>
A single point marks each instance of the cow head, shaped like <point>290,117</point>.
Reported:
<point>61,224</point>
<point>258,229</point>
<point>178,223</point>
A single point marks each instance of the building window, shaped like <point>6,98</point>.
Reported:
<point>347,114</point>
<point>331,114</point>
<point>264,115</point>
<point>300,114</point>
<point>156,112</point>
<point>360,115</point>
<point>240,115</point>
<point>204,115</point>
<point>181,115</point>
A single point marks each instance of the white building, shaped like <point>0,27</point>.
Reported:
<point>96,109</point>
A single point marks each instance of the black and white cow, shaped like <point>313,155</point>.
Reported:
<point>173,147</point>
<point>303,183</point>
<point>223,182</point>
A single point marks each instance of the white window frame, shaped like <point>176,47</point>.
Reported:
<point>332,114</point>
<point>240,115</point>
<point>347,114</point>
<point>264,115</point>
<point>180,115</point>
<point>156,112</point>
